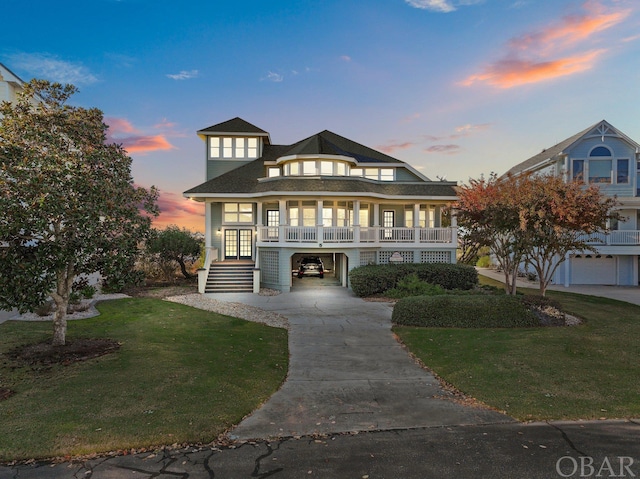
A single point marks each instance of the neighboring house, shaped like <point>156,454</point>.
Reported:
<point>10,85</point>
<point>269,206</point>
<point>600,155</point>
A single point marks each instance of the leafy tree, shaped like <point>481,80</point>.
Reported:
<point>536,219</point>
<point>557,217</point>
<point>68,205</point>
<point>485,210</point>
<point>174,245</point>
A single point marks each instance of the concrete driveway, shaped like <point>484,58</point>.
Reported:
<point>348,373</point>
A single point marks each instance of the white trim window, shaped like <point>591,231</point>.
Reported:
<point>238,213</point>
<point>233,148</point>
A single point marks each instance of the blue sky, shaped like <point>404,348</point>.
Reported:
<point>456,88</point>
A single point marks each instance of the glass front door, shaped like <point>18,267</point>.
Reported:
<point>238,243</point>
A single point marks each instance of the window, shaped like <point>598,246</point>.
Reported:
<point>294,168</point>
<point>214,144</point>
<point>599,171</point>
<point>273,221</point>
<point>227,147</point>
<point>623,172</point>
<point>240,151</point>
<point>408,217</point>
<point>308,168</point>
<point>386,174</point>
<point>294,216</point>
<point>273,171</point>
<point>356,171</point>
<point>371,173</point>
<point>388,220</point>
<point>233,147</point>
<point>252,148</point>
<point>341,169</point>
<point>238,213</point>
<point>578,170</point>
<point>600,151</point>
<point>326,168</point>
<point>327,216</point>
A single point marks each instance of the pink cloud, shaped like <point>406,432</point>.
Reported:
<point>177,210</point>
<point>394,146</point>
<point>121,131</point>
<point>557,50</point>
<point>446,149</point>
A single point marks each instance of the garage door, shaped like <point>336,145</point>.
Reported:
<point>593,269</point>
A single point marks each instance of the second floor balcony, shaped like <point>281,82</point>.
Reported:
<point>615,238</point>
<point>355,235</point>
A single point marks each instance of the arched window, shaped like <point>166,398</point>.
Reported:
<point>600,151</point>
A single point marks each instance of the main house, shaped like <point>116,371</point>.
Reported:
<point>269,206</point>
<point>600,155</point>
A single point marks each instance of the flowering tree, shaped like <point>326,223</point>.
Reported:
<point>485,209</point>
<point>536,219</point>
<point>68,204</point>
<point>557,217</point>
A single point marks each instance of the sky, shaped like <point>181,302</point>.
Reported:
<point>456,88</point>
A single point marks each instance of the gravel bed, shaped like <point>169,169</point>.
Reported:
<point>89,312</point>
<point>237,310</point>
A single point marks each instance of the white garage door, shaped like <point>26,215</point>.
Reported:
<point>593,269</point>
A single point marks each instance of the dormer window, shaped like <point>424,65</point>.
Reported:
<point>273,172</point>
<point>233,148</point>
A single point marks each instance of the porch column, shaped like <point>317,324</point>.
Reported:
<point>259,220</point>
<point>416,224</point>
<point>356,222</point>
<point>282,212</point>
<point>319,222</point>
<point>376,214</point>
<point>207,224</point>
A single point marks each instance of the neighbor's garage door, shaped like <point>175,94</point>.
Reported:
<point>593,269</point>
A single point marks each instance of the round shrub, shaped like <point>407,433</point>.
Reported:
<point>463,311</point>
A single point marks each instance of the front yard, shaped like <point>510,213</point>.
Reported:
<point>589,371</point>
<point>181,375</point>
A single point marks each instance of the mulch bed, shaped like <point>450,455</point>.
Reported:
<point>45,353</point>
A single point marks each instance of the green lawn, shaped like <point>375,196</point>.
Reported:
<point>581,372</point>
<point>181,375</point>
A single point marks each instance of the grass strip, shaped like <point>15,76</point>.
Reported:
<point>182,375</point>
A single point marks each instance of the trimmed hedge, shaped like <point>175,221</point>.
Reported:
<point>378,278</point>
<point>463,311</point>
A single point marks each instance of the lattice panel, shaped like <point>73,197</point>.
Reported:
<point>435,257</point>
<point>270,266</point>
<point>407,256</point>
<point>367,257</point>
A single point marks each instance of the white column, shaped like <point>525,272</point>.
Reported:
<point>319,222</point>
<point>282,208</point>
<point>416,225</point>
<point>376,214</point>
<point>259,220</point>
<point>356,222</point>
<point>207,224</point>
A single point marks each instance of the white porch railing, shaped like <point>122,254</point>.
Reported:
<point>355,234</point>
<point>615,238</point>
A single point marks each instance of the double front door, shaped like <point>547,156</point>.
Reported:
<point>238,243</point>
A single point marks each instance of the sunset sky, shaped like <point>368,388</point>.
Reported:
<point>456,88</point>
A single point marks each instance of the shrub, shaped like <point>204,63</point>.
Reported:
<point>413,286</point>
<point>375,279</point>
<point>484,262</point>
<point>463,311</point>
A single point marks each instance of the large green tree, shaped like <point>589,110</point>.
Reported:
<point>68,204</point>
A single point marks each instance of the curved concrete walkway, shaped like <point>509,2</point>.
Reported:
<point>347,372</point>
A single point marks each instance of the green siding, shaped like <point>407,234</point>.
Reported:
<point>216,168</point>
<point>216,222</point>
<point>402,174</point>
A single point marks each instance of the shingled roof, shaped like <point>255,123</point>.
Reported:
<point>234,126</point>
<point>248,180</point>
<point>329,143</point>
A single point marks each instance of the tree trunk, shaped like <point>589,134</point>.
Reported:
<point>61,297</point>
<point>183,268</point>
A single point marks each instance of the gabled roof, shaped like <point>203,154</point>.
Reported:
<point>329,143</point>
<point>12,77</point>
<point>563,146</point>
<point>245,181</point>
<point>235,126</point>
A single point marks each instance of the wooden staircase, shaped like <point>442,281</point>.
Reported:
<point>230,277</point>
